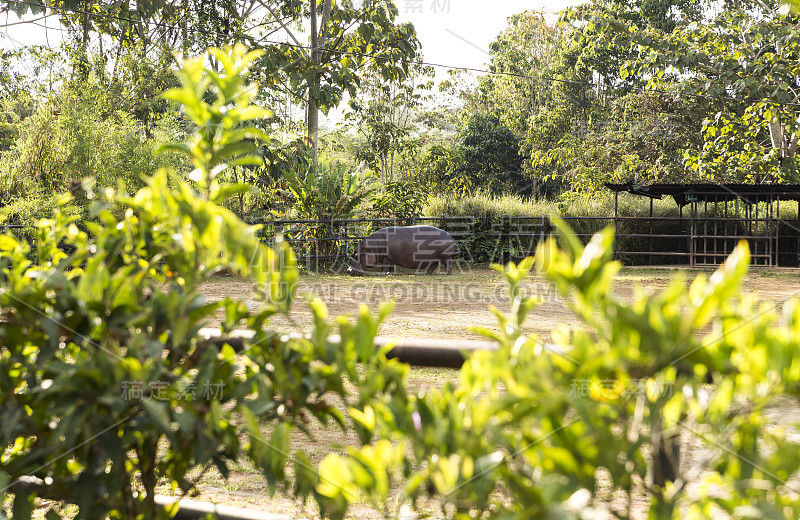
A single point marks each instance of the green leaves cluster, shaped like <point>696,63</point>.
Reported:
<point>221,137</point>
<point>616,405</point>
<point>744,56</point>
<point>398,199</point>
<point>108,389</point>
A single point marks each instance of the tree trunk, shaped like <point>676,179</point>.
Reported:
<point>185,30</point>
<point>85,39</point>
<point>81,63</point>
<point>665,466</point>
<point>777,137</point>
<point>317,45</point>
<point>312,117</point>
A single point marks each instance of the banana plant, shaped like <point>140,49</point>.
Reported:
<point>325,194</point>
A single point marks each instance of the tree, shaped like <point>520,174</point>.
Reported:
<point>385,114</point>
<point>745,55</point>
<point>344,40</point>
<point>187,25</point>
<point>538,91</point>
<point>491,154</point>
<point>523,57</point>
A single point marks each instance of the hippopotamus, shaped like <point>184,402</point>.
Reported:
<point>412,247</point>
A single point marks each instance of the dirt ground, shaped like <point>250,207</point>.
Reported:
<point>437,307</point>
<point>441,306</point>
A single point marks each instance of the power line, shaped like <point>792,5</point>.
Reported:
<point>584,83</point>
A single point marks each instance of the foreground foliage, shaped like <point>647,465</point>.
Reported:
<point>108,389</point>
<point>600,419</point>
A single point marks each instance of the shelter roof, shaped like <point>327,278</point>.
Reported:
<point>712,192</point>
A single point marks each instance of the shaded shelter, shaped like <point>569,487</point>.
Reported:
<point>712,219</point>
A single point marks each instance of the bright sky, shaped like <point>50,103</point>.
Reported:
<point>452,32</point>
<point>458,32</point>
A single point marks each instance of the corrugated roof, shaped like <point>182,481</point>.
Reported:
<point>686,193</point>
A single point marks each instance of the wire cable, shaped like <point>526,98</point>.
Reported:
<point>583,83</point>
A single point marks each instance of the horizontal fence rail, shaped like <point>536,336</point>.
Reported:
<point>188,509</point>
<point>421,352</point>
<point>441,353</point>
<point>697,236</point>
<point>194,509</point>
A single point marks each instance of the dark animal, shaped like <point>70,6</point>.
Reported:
<point>412,247</point>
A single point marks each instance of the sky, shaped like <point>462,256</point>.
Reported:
<point>452,32</point>
<point>458,32</point>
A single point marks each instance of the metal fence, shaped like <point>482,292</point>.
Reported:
<point>697,237</point>
<point>703,234</point>
<point>320,243</point>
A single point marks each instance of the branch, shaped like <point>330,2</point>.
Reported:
<point>28,21</point>
<point>791,151</point>
<point>248,10</point>
<point>326,13</point>
<point>290,33</point>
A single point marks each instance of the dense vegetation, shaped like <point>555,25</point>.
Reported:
<point>143,176</point>
<point>107,387</point>
<point>610,91</point>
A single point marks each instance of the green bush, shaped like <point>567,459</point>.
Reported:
<point>66,140</point>
<point>403,200</point>
<point>107,386</point>
<point>598,423</point>
<point>484,205</point>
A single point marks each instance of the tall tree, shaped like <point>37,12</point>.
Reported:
<point>345,40</point>
<point>185,25</point>
<point>522,56</point>
<point>385,114</point>
<point>746,56</point>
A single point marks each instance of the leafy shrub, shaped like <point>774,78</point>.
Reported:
<point>598,421</point>
<point>107,387</point>
<point>403,200</point>
<point>66,140</point>
<point>441,170</point>
<point>325,193</point>
<point>491,154</point>
<point>482,204</point>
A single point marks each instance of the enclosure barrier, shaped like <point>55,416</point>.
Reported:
<point>509,238</point>
<point>421,352</point>
<point>189,509</point>
<point>719,216</point>
<point>709,220</point>
<point>194,509</point>
<point>703,231</point>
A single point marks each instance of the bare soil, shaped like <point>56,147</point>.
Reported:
<point>438,306</point>
<point>441,306</point>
